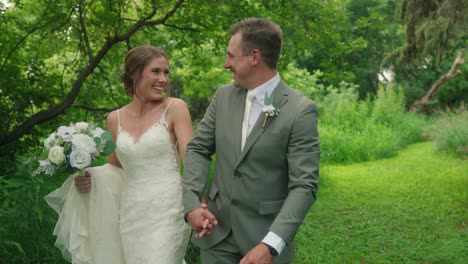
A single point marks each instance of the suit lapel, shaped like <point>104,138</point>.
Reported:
<point>238,102</point>
<point>280,98</point>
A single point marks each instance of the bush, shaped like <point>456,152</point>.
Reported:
<point>349,146</point>
<point>450,132</point>
<point>27,221</point>
<point>353,130</point>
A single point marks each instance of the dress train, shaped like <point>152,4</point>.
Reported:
<point>87,229</point>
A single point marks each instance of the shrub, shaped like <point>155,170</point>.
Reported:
<point>27,222</point>
<point>353,130</point>
<point>388,106</point>
<point>450,132</point>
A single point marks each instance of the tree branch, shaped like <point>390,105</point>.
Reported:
<point>84,32</point>
<point>47,114</point>
<point>452,73</point>
<point>180,28</point>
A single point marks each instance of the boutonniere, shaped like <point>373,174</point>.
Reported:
<point>270,109</point>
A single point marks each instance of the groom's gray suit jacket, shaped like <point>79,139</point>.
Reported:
<point>270,184</point>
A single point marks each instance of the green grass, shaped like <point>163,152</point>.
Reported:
<point>411,208</point>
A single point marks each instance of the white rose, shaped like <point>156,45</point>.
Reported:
<point>80,159</point>
<point>81,126</point>
<point>268,108</point>
<point>56,155</point>
<point>48,141</point>
<point>66,132</point>
<point>98,132</point>
<point>83,142</point>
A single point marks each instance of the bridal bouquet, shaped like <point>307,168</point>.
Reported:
<point>74,148</point>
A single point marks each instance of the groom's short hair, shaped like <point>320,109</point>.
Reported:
<point>261,34</point>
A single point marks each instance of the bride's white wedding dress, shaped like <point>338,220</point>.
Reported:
<point>152,226</point>
<point>149,194</point>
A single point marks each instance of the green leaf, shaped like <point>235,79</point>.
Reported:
<point>44,155</point>
<point>67,148</point>
<point>268,99</point>
<point>109,148</point>
<point>17,245</point>
<point>106,136</point>
<point>98,141</point>
<point>12,182</point>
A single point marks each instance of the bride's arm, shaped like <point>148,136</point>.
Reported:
<point>182,125</point>
<point>184,132</point>
<point>112,126</point>
<point>83,183</point>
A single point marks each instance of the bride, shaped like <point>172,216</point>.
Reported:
<point>143,215</point>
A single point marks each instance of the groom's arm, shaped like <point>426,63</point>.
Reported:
<point>303,164</point>
<point>198,159</point>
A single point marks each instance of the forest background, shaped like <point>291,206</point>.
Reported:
<point>384,73</point>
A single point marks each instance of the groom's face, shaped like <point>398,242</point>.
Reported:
<point>238,62</point>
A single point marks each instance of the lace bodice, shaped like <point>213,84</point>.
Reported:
<point>152,152</point>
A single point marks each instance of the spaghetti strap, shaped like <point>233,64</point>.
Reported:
<point>163,116</point>
<point>118,121</point>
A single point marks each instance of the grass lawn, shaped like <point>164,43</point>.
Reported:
<point>412,208</point>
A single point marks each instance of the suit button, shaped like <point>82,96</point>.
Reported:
<point>235,202</point>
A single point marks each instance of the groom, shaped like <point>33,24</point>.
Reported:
<point>265,138</point>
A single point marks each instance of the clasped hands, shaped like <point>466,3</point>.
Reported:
<point>202,220</point>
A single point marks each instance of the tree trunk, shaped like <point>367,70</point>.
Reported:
<point>452,73</point>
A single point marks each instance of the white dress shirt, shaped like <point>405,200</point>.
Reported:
<point>260,92</point>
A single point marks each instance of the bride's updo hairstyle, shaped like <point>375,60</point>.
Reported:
<point>135,61</point>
